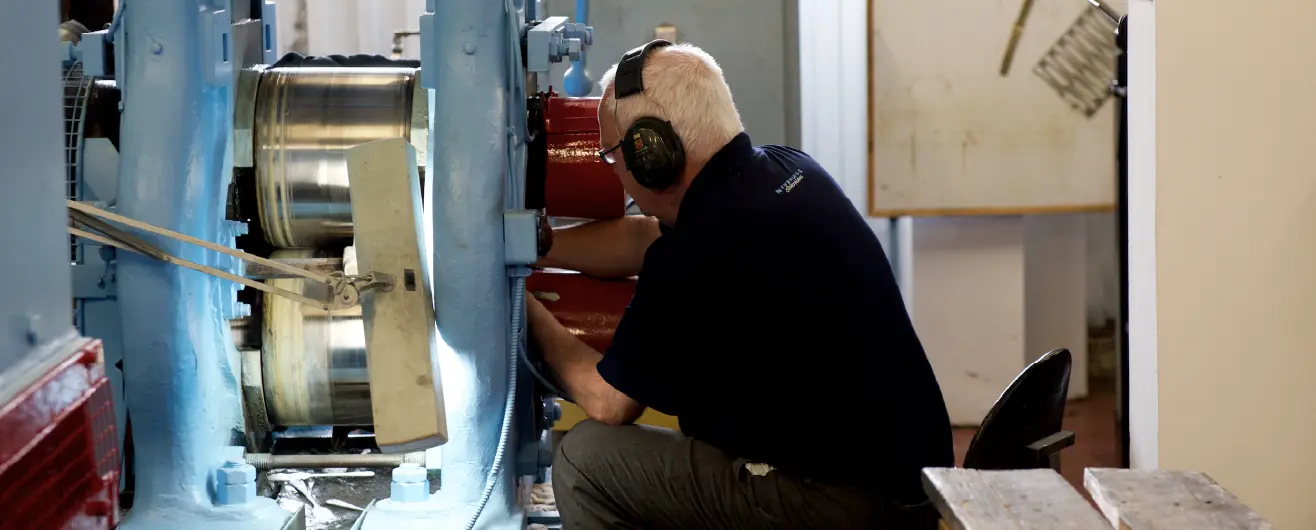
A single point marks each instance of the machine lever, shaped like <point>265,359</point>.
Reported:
<point>346,289</point>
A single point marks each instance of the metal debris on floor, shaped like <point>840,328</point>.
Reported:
<point>332,498</point>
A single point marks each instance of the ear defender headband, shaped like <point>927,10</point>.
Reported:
<point>650,147</point>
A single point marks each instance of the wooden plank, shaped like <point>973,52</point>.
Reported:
<point>406,388</point>
<point>1157,499</point>
<point>1032,499</point>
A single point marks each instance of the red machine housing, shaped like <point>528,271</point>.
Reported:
<point>577,183</point>
<point>59,463</point>
<point>588,307</point>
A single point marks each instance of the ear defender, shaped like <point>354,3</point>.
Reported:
<point>651,148</point>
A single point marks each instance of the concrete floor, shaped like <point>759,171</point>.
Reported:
<point>1096,434</point>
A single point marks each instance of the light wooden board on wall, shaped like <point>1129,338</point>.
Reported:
<point>949,135</point>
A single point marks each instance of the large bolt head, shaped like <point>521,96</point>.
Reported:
<point>236,472</point>
<point>230,494</point>
<point>410,473</point>
<point>573,49</point>
<point>410,484</point>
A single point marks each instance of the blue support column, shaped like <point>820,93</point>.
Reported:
<point>183,394</point>
<point>466,63</point>
<point>36,321</point>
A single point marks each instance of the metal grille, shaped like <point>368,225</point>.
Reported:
<point>76,89</point>
<point>1080,66</point>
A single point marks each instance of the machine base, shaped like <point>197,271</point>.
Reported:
<point>59,463</point>
<point>260,513</point>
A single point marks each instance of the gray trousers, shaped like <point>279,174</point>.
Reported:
<point>639,476</point>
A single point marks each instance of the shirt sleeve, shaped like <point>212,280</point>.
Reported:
<point>641,359</point>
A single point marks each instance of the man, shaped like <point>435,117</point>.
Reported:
<point>765,318</point>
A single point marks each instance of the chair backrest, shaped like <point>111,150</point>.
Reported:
<point>1031,408</point>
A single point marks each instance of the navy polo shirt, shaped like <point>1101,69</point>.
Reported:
<point>768,321</point>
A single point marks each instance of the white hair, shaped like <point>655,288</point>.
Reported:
<point>683,85</point>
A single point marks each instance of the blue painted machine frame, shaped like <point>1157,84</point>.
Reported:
<point>175,62</point>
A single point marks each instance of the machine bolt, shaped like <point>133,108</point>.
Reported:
<point>469,48</point>
<point>157,48</point>
<point>574,49</point>
<point>410,484</point>
<point>235,483</point>
<point>557,47</point>
<point>33,324</point>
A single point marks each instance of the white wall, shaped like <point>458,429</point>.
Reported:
<point>1055,313</point>
<point>968,274</point>
<point>1234,209</point>
<point>1103,288</point>
<point>346,27</point>
<point>833,40</point>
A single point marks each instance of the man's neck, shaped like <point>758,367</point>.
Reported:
<point>671,206</point>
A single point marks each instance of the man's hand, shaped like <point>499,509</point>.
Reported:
<point>576,365</point>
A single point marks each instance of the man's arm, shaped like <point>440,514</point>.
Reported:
<point>612,248</point>
<point>576,365</point>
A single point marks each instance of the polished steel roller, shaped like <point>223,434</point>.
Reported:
<point>305,121</point>
<point>313,361</point>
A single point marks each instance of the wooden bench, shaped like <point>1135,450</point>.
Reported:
<point>1040,499</point>
<point>1033,499</point>
<point>1155,499</point>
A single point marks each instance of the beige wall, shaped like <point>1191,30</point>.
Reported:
<point>1236,248</point>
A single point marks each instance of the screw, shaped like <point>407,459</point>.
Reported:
<point>33,321</point>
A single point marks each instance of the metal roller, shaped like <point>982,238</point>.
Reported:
<point>313,361</point>
<point>305,120</point>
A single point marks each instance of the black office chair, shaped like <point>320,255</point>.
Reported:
<point>1023,429</point>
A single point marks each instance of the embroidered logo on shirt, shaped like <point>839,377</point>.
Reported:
<point>791,182</point>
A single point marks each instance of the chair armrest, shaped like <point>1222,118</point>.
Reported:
<point>1047,450</point>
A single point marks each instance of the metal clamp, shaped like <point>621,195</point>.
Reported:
<point>554,40</point>
<point>347,289</point>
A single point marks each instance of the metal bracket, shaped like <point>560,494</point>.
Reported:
<point>91,50</point>
<point>521,236</point>
<point>553,40</point>
<point>428,64</point>
<point>219,49</point>
<point>269,18</point>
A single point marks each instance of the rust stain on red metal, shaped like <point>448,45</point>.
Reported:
<point>578,183</point>
<point>57,441</point>
<point>588,307</point>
